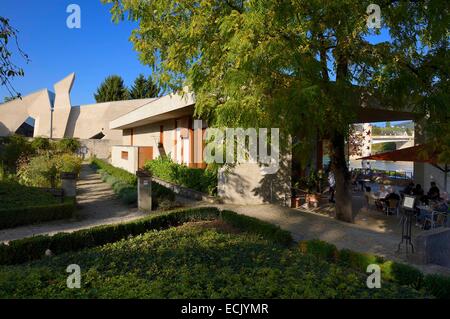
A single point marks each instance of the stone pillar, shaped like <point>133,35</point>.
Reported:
<point>69,184</point>
<point>144,186</point>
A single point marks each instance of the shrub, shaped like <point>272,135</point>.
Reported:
<point>15,147</point>
<point>124,185</point>
<point>22,205</point>
<point>356,260</point>
<point>202,180</point>
<point>406,275</point>
<point>68,145</point>
<point>36,213</point>
<point>402,274</point>
<point>118,173</point>
<point>23,250</point>
<point>44,170</point>
<point>253,225</point>
<point>41,144</point>
<point>320,249</point>
<point>438,286</point>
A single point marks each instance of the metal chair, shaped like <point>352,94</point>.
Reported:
<point>435,219</point>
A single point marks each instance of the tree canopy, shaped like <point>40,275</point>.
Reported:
<point>111,89</point>
<point>305,66</point>
<point>143,88</point>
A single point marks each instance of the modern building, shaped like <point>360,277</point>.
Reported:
<point>54,115</point>
<point>135,131</point>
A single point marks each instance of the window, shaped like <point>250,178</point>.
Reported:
<point>124,155</point>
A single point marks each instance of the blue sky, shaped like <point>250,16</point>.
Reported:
<point>98,49</point>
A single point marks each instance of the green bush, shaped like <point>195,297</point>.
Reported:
<point>22,250</point>
<point>202,180</point>
<point>41,144</point>
<point>438,286</point>
<point>14,147</point>
<point>356,260</point>
<point>118,173</point>
<point>319,249</point>
<point>36,213</point>
<point>19,251</point>
<point>406,275</point>
<point>68,145</point>
<point>253,225</point>
<point>124,185</point>
<point>44,170</point>
<point>190,262</point>
<point>14,195</point>
<point>402,274</point>
<point>22,205</point>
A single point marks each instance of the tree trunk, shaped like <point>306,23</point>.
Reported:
<point>343,195</point>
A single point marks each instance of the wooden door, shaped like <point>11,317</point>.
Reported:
<point>145,154</point>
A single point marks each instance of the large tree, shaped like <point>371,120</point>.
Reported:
<point>305,66</point>
<point>143,88</point>
<point>111,89</point>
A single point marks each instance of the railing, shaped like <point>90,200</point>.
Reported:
<point>386,173</point>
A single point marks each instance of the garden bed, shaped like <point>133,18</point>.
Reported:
<point>196,253</point>
<point>23,205</point>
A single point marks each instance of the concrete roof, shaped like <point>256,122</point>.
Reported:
<point>163,108</point>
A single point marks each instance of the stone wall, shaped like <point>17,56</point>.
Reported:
<point>99,148</point>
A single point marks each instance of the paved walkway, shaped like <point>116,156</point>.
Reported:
<point>97,205</point>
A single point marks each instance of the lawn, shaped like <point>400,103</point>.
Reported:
<point>208,259</point>
<point>13,195</point>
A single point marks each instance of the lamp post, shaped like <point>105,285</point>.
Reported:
<point>51,122</point>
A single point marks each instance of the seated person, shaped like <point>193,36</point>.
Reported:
<point>418,191</point>
<point>408,190</point>
<point>434,192</point>
<point>392,195</point>
<point>440,206</point>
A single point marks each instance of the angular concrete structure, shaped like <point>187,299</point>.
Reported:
<point>84,121</point>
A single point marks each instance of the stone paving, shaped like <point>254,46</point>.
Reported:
<point>97,205</point>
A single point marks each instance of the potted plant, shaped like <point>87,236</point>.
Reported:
<point>312,186</point>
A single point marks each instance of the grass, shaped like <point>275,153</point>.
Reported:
<point>207,259</point>
<point>14,195</point>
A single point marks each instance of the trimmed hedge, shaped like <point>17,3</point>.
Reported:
<point>13,217</point>
<point>202,180</point>
<point>124,185</point>
<point>434,285</point>
<point>254,225</point>
<point>27,249</point>
<point>118,173</point>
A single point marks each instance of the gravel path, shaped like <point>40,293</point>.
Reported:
<point>97,205</point>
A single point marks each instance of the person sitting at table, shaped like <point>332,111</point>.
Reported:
<point>433,193</point>
<point>408,190</point>
<point>417,191</point>
<point>392,195</point>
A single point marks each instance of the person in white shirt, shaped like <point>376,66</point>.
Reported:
<point>332,184</point>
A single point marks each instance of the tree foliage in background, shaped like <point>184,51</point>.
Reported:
<point>8,69</point>
<point>305,66</point>
<point>111,89</point>
<point>143,88</point>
